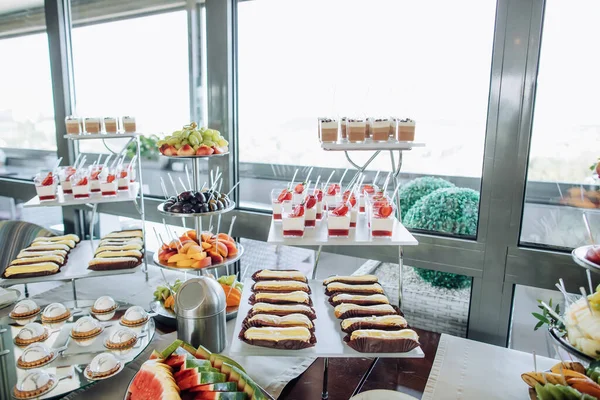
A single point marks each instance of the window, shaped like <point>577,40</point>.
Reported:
<point>391,65</point>
<point>565,130</point>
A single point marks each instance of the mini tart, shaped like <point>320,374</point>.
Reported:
<point>337,287</point>
<point>33,385</point>
<point>121,339</point>
<point>55,312</point>
<point>102,366</point>
<point>86,328</point>
<point>280,286</point>
<point>35,355</point>
<point>276,321</point>
<point>104,305</point>
<point>135,316</point>
<point>31,333</point>
<point>345,310</point>
<point>70,243</point>
<point>24,309</point>
<point>123,253</point>
<point>279,275</point>
<point>297,297</point>
<point>352,280</point>
<point>72,237</point>
<point>133,233</point>
<point>282,309</point>
<point>360,299</point>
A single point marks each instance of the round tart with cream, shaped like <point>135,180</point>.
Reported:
<point>121,339</point>
<point>31,333</point>
<point>24,309</point>
<point>34,384</point>
<point>55,312</point>
<point>103,366</point>
<point>85,328</point>
<point>104,305</point>
<point>134,316</point>
<point>35,355</point>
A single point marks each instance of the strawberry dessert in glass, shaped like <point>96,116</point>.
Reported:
<point>365,190</point>
<point>46,185</point>
<point>338,219</point>
<point>293,222</point>
<point>298,192</point>
<point>95,173</point>
<point>64,174</point>
<point>80,184</point>
<point>310,210</point>
<point>278,196</point>
<point>350,199</point>
<point>125,176</point>
<point>331,194</point>
<point>318,193</point>
<point>108,183</point>
<point>381,216</point>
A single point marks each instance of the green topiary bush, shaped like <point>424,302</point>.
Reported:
<point>414,190</point>
<point>448,210</point>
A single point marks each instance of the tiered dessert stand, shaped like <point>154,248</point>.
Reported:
<point>76,266</point>
<point>329,344</point>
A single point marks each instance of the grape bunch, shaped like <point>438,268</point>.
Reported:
<point>189,202</point>
<point>192,140</point>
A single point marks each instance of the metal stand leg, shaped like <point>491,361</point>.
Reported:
<point>400,275</point>
<point>92,222</point>
<point>325,394</point>
<point>26,290</point>
<point>317,257</point>
<point>74,291</point>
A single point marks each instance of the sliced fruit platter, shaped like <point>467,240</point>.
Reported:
<point>566,380</point>
<point>587,257</point>
<point>192,141</point>
<point>189,253</point>
<point>184,372</point>
<point>193,203</point>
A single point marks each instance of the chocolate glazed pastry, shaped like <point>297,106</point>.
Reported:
<point>385,323</point>
<point>280,298</point>
<point>283,309</point>
<point>275,321</point>
<point>351,280</point>
<point>361,300</point>
<point>280,286</point>
<point>366,344</point>
<point>336,287</point>
<point>279,275</point>
<point>274,343</point>
<point>344,311</point>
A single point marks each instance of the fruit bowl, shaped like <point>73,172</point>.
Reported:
<point>230,207</point>
<point>174,267</point>
<point>197,156</point>
<point>579,256</point>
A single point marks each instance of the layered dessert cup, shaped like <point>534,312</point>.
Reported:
<point>293,221</point>
<point>123,178</point>
<point>343,128</point>
<point>73,125</point>
<point>351,201</point>
<point>365,191</point>
<point>80,184</point>
<point>331,194</point>
<point>65,175</point>
<point>311,203</point>
<point>381,216</point>
<point>369,124</point>
<point>46,186</point>
<point>318,193</point>
<point>328,130</point>
<point>93,125</point>
<point>278,197</point>
<point>95,176</point>
<point>108,183</point>
<point>338,219</point>
<point>380,129</point>
<point>405,130</point>
<point>111,125</point>
<point>128,125</point>
<point>356,130</point>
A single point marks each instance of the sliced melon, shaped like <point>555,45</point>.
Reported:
<point>220,396</point>
<point>189,348</point>
<point>170,349</point>
<point>201,378</point>
<point>216,387</point>
<point>217,361</point>
<point>203,353</point>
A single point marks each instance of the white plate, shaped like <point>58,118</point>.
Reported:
<point>9,303</point>
<point>578,255</point>
<point>381,394</point>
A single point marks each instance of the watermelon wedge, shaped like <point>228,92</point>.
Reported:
<point>175,360</point>
<point>171,348</point>
<point>195,363</point>
<point>185,373</point>
<point>218,360</point>
<point>221,396</point>
<point>154,381</point>
<point>203,353</point>
<point>216,387</point>
<point>201,378</point>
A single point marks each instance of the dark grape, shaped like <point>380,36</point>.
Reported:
<point>213,206</point>
<point>198,208</point>
<point>188,208</point>
<point>176,208</point>
<point>185,196</point>
<point>199,198</point>
<point>205,207</point>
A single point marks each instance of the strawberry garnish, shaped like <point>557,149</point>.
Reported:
<point>95,174</point>
<point>319,194</point>
<point>385,211</point>
<point>331,190</point>
<point>347,197</point>
<point>299,188</point>
<point>341,210</point>
<point>298,211</point>
<point>311,201</point>
<point>48,180</point>
<point>284,195</point>
<point>123,174</point>
<point>110,178</point>
<point>82,182</point>
<point>380,203</point>
<point>368,189</point>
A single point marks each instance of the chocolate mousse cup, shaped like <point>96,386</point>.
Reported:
<point>343,123</point>
<point>328,130</point>
<point>405,130</point>
<point>356,130</point>
<point>380,129</point>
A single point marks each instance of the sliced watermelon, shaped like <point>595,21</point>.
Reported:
<point>156,355</point>
<point>203,353</point>
<point>216,387</point>
<point>153,381</point>
<point>189,348</point>
<point>175,360</point>
<point>221,396</point>
<point>201,378</point>
<point>195,363</point>
<point>171,348</point>
<point>218,360</point>
<point>185,373</point>
<point>246,384</point>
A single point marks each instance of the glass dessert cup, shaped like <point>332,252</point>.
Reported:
<point>356,130</point>
<point>111,125</point>
<point>380,129</point>
<point>350,199</point>
<point>328,130</point>
<point>278,197</point>
<point>46,185</point>
<point>343,128</point>
<point>64,175</point>
<point>318,193</point>
<point>95,176</point>
<point>311,205</point>
<point>381,216</point>
<point>126,176</point>
<point>73,125</point>
<point>405,130</point>
<point>331,194</point>
<point>93,125</point>
<point>80,184</point>
<point>108,183</point>
<point>298,193</point>
<point>128,124</point>
<point>338,219</point>
<point>293,221</point>
<point>365,190</point>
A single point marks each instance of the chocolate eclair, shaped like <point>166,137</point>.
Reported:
<point>119,247</point>
<point>66,242</point>
<point>280,286</point>
<point>279,275</point>
<point>282,309</point>
<point>384,323</point>
<point>47,246</point>
<point>124,253</point>
<point>337,287</point>
<point>72,237</point>
<point>360,299</point>
<point>31,270</point>
<point>32,252</point>
<point>344,311</point>
<point>38,259</point>
<point>133,233</point>
<point>277,321</point>
<point>104,264</point>
<point>288,338</point>
<point>297,297</point>
<point>352,280</point>
<point>379,341</point>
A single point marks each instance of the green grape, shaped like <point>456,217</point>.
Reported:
<point>177,133</point>
<point>185,134</point>
<point>174,141</point>
<point>193,140</point>
<point>184,142</point>
<point>222,143</point>
<point>160,143</point>
<point>178,146</point>
<point>209,143</point>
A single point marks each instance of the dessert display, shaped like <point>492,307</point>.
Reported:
<point>328,130</point>
<point>80,184</point>
<point>189,252</point>
<point>34,384</point>
<point>104,305</point>
<point>55,312</point>
<point>85,328</point>
<point>356,130</point>
<point>128,124</point>
<point>386,322</point>
<point>111,125</point>
<point>338,219</point>
<point>405,130</point>
<point>44,256</point>
<point>193,141</point>
<point>121,339</point>
<point>193,202</point>
<point>65,179</point>
<point>279,199</point>
<point>380,129</point>
<point>281,314</point>
<point>93,125</point>
<point>24,309</point>
<point>134,316</point>
<point>293,221</point>
<point>73,125</point>
<point>46,186</point>
<point>565,380</point>
<point>35,355</point>
<point>118,250</point>
<point>360,299</point>
<point>31,333</point>
<point>103,366</point>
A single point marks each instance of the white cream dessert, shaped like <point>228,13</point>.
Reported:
<point>111,125</point>
<point>328,130</point>
<point>273,274</point>
<point>104,304</point>
<point>109,184</point>
<point>73,125</point>
<point>280,286</point>
<point>123,178</point>
<point>46,186</point>
<point>331,195</point>
<point>281,320</point>
<point>128,124</point>
<point>134,315</point>
<point>339,287</point>
<point>278,334</point>
<point>356,130</point>
<point>96,174</point>
<point>102,366</point>
<point>33,385</point>
<point>360,298</point>
<point>65,181</point>
<point>279,309</point>
<point>380,128</point>
<point>121,339</point>
<point>35,355</point>
<point>30,333</point>
<point>311,204</point>
<point>281,201</point>
<point>344,310</point>
<point>24,309</point>
<point>338,220</point>
<point>55,312</point>
<point>80,184</point>
<point>86,327</point>
<point>405,130</point>
<point>293,222</point>
<point>93,125</point>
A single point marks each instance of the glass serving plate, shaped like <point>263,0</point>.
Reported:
<point>77,355</point>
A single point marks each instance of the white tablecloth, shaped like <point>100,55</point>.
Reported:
<point>465,369</point>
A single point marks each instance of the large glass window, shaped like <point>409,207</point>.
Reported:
<point>566,130</point>
<point>391,58</point>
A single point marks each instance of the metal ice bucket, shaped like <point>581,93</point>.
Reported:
<point>200,308</point>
